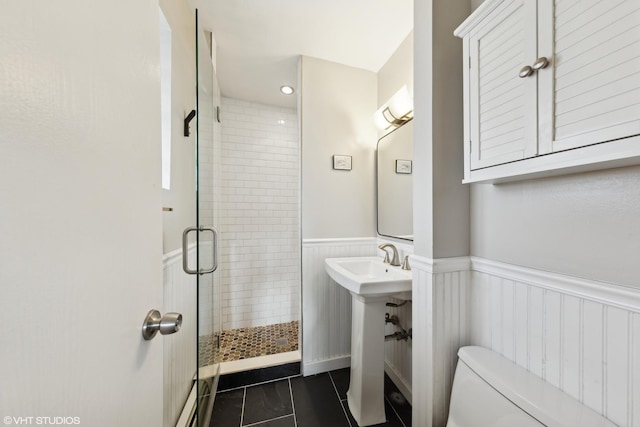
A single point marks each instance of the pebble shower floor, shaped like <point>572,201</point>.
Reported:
<point>244,343</point>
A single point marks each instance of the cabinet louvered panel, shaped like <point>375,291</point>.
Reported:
<point>579,111</point>
<point>596,72</point>
<point>501,102</point>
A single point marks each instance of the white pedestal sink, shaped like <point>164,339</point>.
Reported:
<point>371,283</point>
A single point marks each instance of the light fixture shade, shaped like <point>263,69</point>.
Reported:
<point>396,111</point>
<point>401,104</point>
<point>380,121</point>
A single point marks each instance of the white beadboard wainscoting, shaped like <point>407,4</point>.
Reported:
<point>580,335</point>
<point>397,354</point>
<point>326,308</point>
<point>179,348</point>
<point>440,289</point>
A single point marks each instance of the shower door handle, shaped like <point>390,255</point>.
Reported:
<point>214,250</point>
<point>185,250</point>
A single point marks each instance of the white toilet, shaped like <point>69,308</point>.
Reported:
<point>491,391</point>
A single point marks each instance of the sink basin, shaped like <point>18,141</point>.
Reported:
<point>369,277</point>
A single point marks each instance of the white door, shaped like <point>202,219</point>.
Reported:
<point>80,213</point>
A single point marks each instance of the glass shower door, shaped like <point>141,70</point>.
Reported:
<point>207,142</point>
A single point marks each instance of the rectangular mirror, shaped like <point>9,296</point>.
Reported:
<point>394,157</point>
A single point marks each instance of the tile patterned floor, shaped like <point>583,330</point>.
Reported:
<point>244,343</point>
<point>314,401</point>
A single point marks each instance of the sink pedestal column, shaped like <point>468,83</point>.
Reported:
<point>366,388</point>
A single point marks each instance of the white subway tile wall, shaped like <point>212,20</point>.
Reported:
<point>259,215</point>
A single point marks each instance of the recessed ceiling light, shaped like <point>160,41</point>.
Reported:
<point>287,90</point>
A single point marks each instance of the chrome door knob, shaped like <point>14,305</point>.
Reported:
<point>525,72</point>
<point>540,63</point>
<point>170,323</point>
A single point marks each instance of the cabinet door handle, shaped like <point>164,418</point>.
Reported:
<point>525,72</point>
<point>540,63</point>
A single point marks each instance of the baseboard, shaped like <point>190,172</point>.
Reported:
<point>402,385</point>
<point>317,367</point>
<point>189,409</point>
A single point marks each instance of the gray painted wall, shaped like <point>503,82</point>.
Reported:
<point>586,225</point>
<point>397,71</point>
<point>475,4</point>
<point>337,106</point>
<point>441,202</point>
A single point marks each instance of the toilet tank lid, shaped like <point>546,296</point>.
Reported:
<point>544,402</point>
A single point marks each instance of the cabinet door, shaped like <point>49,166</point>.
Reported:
<point>503,106</point>
<point>591,91</point>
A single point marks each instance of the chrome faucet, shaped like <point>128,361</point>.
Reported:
<point>395,261</point>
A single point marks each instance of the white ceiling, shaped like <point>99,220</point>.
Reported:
<point>259,41</point>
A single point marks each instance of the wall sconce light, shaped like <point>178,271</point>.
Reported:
<point>396,111</point>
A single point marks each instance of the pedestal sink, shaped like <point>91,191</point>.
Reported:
<point>371,283</point>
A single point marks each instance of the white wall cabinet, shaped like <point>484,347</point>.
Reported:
<point>551,87</point>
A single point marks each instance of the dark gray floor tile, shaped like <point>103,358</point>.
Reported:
<point>341,378</point>
<point>392,418</point>
<point>265,401</point>
<point>316,402</point>
<point>227,409</point>
<point>399,403</point>
<point>279,422</point>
